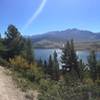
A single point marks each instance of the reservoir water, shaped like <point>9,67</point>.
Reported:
<point>45,53</point>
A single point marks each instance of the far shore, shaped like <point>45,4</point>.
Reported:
<point>77,49</point>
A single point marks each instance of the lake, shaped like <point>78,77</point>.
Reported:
<point>44,54</point>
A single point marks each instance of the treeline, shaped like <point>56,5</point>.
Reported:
<point>72,79</point>
<point>70,65</point>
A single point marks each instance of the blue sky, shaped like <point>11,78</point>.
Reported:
<point>33,17</point>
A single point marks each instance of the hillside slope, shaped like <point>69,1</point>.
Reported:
<point>56,39</point>
<point>62,36</point>
<point>8,89</point>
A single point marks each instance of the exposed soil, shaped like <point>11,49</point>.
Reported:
<point>9,91</point>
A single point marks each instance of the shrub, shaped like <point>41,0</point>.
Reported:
<point>37,72</point>
<point>3,62</point>
<point>19,63</point>
<point>30,71</point>
<point>88,81</point>
<point>60,91</point>
<point>98,82</point>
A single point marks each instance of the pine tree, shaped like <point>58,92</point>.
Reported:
<point>29,51</point>
<point>82,67</point>
<point>55,66</point>
<point>69,59</point>
<point>98,70</point>
<point>40,63</point>
<point>13,42</point>
<point>92,64</point>
<point>74,59</point>
<point>2,47</point>
<point>65,58</point>
<point>50,66</point>
<point>45,66</point>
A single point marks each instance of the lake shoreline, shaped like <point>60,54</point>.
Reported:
<point>97,50</point>
<point>44,54</point>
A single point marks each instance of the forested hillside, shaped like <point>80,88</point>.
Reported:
<point>73,81</point>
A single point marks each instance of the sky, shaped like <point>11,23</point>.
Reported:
<point>34,17</point>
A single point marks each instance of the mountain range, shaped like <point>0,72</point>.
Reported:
<point>56,38</point>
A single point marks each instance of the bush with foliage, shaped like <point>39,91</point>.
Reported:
<point>19,62</point>
<point>3,62</point>
<point>29,70</point>
<point>51,90</point>
<point>59,91</point>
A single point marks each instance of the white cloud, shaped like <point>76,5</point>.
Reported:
<point>35,15</point>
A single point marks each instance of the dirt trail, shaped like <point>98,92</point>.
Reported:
<point>8,90</point>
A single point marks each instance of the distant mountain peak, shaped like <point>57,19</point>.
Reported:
<point>62,36</point>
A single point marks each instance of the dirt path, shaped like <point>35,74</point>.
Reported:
<point>8,90</point>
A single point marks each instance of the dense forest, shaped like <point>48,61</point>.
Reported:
<point>73,81</point>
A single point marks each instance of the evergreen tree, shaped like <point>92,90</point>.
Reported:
<point>74,60</point>
<point>55,66</point>
<point>92,64</point>
<point>98,70</point>
<point>45,66</point>
<point>82,69</point>
<point>50,66</point>
<point>65,58</point>
<point>69,59</point>
<point>40,63</point>
<point>2,47</point>
<point>29,51</point>
<point>13,42</point>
